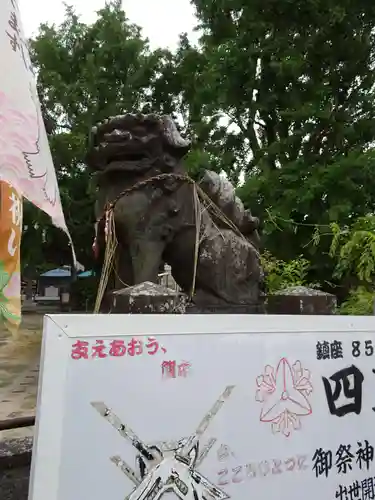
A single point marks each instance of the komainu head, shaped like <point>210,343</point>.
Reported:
<point>135,142</point>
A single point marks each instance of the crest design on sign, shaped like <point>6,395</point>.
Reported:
<point>168,467</point>
<point>284,394</point>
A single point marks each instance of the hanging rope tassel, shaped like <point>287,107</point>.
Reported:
<point>201,203</point>
<point>110,252</point>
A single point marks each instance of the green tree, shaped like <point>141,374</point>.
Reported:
<point>353,251</point>
<point>294,81</point>
<point>353,248</point>
<point>181,91</point>
<point>86,72</point>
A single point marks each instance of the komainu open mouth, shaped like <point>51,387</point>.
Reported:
<point>134,139</point>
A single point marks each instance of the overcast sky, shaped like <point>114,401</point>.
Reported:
<point>162,20</point>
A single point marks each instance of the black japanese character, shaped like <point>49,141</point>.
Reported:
<point>13,23</point>
<point>354,490</point>
<point>342,493</point>
<point>18,44</point>
<point>365,454</point>
<point>344,458</point>
<point>349,380</point>
<point>13,40</point>
<point>322,350</point>
<point>336,349</point>
<point>322,462</point>
<point>368,490</point>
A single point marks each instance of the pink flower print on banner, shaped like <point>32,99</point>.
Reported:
<point>284,396</point>
<point>12,289</point>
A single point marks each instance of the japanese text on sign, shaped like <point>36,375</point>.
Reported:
<point>115,348</point>
<point>16,217</point>
<point>334,350</point>
<point>348,383</point>
<point>261,469</point>
<point>172,369</point>
<point>361,490</point>
<point>343,459</point>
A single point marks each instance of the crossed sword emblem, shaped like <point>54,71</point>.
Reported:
<point>164,470</point>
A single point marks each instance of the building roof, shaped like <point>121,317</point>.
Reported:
<point>85,274</point>
<point>62,272</point>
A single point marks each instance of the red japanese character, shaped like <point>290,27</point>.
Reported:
<point>135,347</point>
<point>168,369</point>
<point>80,350</point>
<point>98,350</point>
<point>153,346</point>
<point>183,368</point>
<point>117,348</point>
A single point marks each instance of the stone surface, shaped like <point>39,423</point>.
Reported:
<point>14,483</point>
<point>230,309</point>
<point>15,459</point>
<point>161,215</point>
<point>18,399</point>
<point>15,452</point>
<point>146,298</point>
<point>303,291</point>
<point>19,371</point>
<point>301,300</point>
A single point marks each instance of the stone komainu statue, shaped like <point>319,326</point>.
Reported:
<point>160,215</point>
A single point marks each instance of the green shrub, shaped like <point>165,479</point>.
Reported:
<point>281,274</point>
<point>359,303</point>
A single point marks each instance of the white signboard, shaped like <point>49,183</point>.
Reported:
<point>205,407</point>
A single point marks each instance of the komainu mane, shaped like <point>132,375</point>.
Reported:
<point>160,215</point>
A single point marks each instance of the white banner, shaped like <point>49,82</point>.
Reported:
<point>25,157</point>
<point>207,407</point>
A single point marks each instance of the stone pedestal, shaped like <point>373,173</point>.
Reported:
<point>301,300</point>
<point>225,309</point>
<point>147,298</point>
